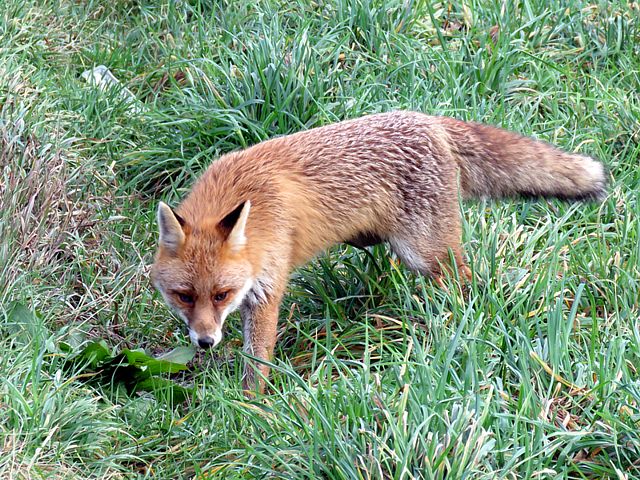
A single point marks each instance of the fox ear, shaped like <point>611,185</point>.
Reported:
<point>170,225</point>
<point>234,223</point>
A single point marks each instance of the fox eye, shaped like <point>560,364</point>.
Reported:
<point>186,298</point>
<point>220,297</point>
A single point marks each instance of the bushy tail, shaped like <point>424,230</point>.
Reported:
<point>497,163</point>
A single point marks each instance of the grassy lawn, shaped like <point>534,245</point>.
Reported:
<point>531,372</point>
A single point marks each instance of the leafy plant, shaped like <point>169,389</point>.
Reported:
<point>137,370</point>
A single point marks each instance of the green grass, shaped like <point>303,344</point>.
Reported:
<point>532,372</point>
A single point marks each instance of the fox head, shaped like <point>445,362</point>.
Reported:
<point>201,269</point>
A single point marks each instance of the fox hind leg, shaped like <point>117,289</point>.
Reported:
<point>428,250</point>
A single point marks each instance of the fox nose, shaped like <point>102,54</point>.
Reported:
<point>206,342</point>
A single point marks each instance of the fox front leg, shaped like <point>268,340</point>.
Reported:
<point>259,325</point>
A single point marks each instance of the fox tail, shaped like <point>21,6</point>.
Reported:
<point>495,163</point>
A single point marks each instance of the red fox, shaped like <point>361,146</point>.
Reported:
<point>256,214</point>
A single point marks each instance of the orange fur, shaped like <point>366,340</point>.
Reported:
<point>256,214</point>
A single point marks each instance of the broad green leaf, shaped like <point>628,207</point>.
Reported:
<point>25,324</point>
<point>164,388</point>
<point>95,353</point>
<point>149,364</point>
<point>182,355</point>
